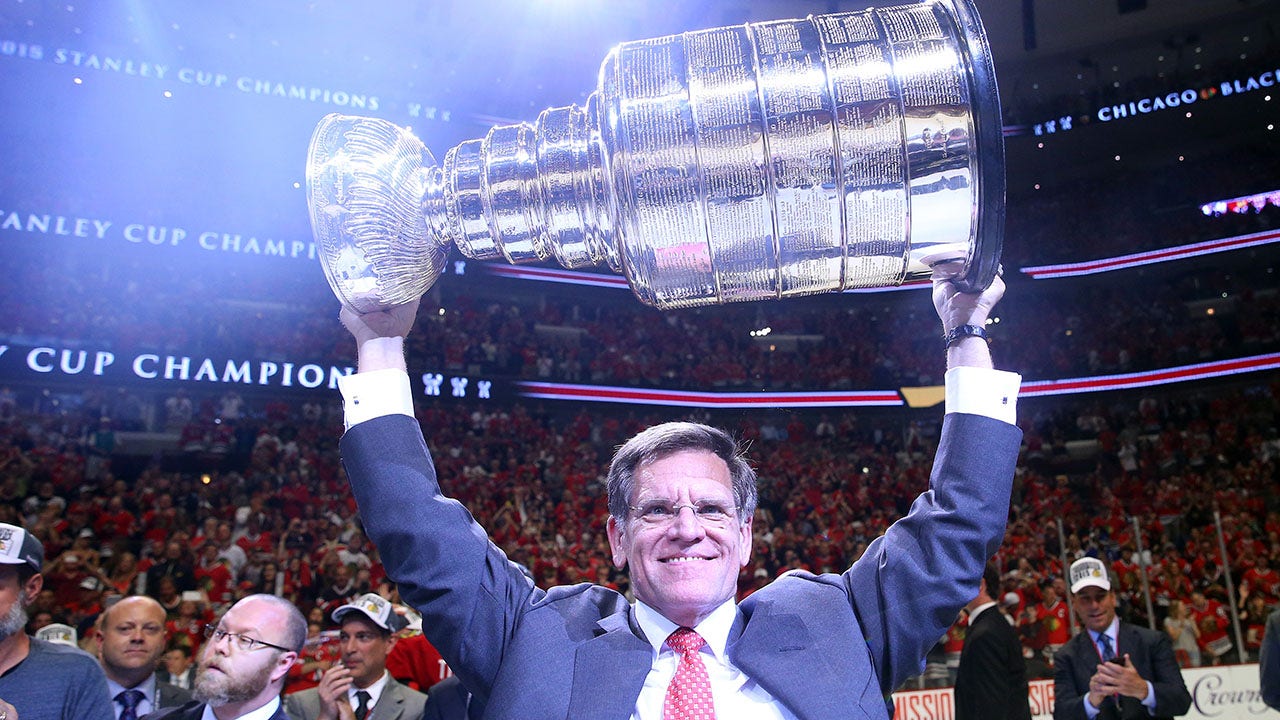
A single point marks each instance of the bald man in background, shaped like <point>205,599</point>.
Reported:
<point>131,639</point>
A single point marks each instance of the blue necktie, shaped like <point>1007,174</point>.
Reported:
<point>1104,647</point>
<point>129,700</point>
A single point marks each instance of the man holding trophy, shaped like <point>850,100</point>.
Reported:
<point>747,163</point>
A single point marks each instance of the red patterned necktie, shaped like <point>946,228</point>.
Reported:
<point>689,694</point>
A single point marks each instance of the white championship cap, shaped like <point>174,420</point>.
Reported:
<point>1089,571</point>
<point>376,608</point>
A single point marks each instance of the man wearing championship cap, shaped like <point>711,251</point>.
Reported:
<point>360,681</point>
<point>1112,669</point>
<point>39,680</point>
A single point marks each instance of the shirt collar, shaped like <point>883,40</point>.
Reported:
<point>374,690</point>
<point>1113,632</point>
<point>978,610</point>
<point>263,713</point>
<point>714,628</point>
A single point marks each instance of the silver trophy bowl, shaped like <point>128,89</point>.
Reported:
<point>752,162</point>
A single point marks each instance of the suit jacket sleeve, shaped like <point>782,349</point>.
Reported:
<point>1069,694</point>
<point>1172,696</point>
<point>301,705</point>
<point>442,561</point>
<point>912,582</point>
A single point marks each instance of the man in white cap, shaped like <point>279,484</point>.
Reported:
<point>39,680</point>
<point>361,682</point>
<point>1112,669</point>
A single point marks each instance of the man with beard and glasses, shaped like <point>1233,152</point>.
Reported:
<point>244,663</point>
<point>39,680</point>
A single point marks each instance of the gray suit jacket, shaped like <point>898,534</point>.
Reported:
<point>397,702</point>
<point>828,647</point>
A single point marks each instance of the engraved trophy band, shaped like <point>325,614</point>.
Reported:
<point>758,161</point>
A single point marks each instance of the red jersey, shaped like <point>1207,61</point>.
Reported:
<point>1056,622</point>
<point>414,662</point>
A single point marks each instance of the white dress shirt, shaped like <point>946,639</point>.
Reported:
<point>374,690</point>
<point>735,694</point>
<point>263,713</point>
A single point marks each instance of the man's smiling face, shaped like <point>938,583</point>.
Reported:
<point>682,539</point>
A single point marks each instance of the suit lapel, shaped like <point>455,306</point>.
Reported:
<point>390,703</point>
<point>776,650</point>
<point>609,670</point>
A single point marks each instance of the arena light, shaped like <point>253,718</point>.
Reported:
<point>1239,205</point>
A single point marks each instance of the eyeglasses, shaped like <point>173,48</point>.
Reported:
<point>659,513</point>
<point>244,643</point>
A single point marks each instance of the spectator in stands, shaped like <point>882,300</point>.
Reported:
<point>1185,633</point>
<point>175,566</point>
<point>245,661</point>
<point>179,410</point>
<point>1212,619</point>
<point>1261,580</point>
<point>1052,614</point>
<point>176,666</point>
<point>1253,621</point>
<point>361,680</point>
<point>131,638</point>
<point>37,676</point>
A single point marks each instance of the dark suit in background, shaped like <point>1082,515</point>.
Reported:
<point>1152,654</point>
<point>447,700</point>
<point>169,695</point>
<point>991,683</point>
<point>1269,662</point>
<point>188,675</point>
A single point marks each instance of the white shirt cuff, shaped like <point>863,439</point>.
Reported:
<point>370,395</point>
<point>979,391</point>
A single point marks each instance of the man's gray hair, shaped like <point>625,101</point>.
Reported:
<point>667,439</point>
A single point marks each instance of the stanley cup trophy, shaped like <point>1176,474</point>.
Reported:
<point>751,162</point>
